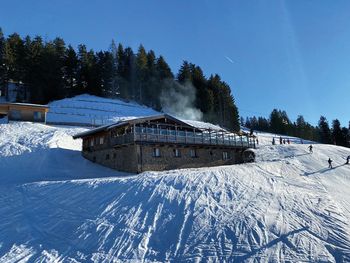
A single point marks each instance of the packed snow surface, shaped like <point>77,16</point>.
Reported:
<point>55,206</point>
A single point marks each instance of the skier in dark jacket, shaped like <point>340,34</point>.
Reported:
<point>347,159</point>
<point>310,149</point>
<point>330,163</point>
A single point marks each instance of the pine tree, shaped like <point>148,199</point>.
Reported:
<point>337,133</point>
<point>34,73</point>
<point>324,131</point>
<point>70,70</point>
<point>141,74</point>
<point>184,75</point>
<point>204,97</point>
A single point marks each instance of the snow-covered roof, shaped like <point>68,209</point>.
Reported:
<point>204,125</point>
<point>132,121</point>
<point>24,104</point>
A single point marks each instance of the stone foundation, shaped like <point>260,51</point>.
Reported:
<point>137,158</point>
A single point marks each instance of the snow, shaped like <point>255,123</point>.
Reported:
<point>55,206</point>
<point>94,111</point>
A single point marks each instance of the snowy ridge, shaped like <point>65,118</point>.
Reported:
<point>58,207</point>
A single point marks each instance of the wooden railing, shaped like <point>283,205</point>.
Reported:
<point>181,137</point>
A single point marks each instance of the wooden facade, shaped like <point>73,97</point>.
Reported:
<point>160,143</point>
<point>24,112</point>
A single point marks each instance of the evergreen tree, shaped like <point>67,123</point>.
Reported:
<point>141,74</point>
<point>337,134</point>
<point>70,70</point>
<point>184,74</point>
<point>34,68</point>
<point>324,131</point>
<point>204,98</point>
<point>163,70</point>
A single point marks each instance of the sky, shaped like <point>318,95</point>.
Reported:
<point>292,55</point>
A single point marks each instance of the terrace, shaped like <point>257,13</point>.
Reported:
<point>178,135</point>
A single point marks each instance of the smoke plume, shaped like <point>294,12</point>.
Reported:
<point>179,101</point>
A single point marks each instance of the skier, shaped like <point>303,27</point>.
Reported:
<point>347,159</point>
<point>310,149</point>
<point>284,141</point>
<point>281,140</point>
<point>288,141</point>
<point>273,141</point>
<point>330,163</point>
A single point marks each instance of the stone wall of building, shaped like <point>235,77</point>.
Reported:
<point>121,159</point>
<point>210,156</point>
<point>137,158</point>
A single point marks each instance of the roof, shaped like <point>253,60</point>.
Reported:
<point>9,104</point>
<point>132,121</point>
<point>28,105</point>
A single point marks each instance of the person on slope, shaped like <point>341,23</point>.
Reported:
<point>330,163</point>
<point>273,141</point>
<point>310,149</point>
<point>347,159</point>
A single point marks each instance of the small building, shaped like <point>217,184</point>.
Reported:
<point>12,91</point>
<point>161,142</point>
<point>24,111</point>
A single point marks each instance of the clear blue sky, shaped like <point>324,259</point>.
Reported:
<point>287,54</point>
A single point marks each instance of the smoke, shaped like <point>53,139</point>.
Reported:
<point>179,100</point>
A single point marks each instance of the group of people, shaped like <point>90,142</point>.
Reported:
<point>282,141</point>
<point>329,159</point>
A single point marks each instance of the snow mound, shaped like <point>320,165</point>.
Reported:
<point>288,206</point>
<point>91,110</point>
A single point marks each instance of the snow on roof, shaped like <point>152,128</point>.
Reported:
<point>190,123</point>
<point>28,104</point>
<point>204,125</point>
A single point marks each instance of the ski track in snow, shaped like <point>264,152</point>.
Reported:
<point>56,206</point>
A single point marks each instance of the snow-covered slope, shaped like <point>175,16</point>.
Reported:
<point>91,110</point>
<point>288,206</point>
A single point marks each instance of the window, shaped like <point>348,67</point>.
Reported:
<point>225,156</point>
<point>37,115</point>
<point>156,152</point>
<point>101,140</point>
<point>16,114</point>
<point>107,156</point>
<point>193,153</point>
<point>177,153</point>
<point>91,142</point>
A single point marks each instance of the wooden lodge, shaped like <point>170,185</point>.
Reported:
<point>24,112</point>
<point>161,142</point>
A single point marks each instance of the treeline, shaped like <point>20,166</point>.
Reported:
<point>279,123</point>
<point>52,70</point>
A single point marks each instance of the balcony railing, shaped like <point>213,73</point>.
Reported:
<point>184,137</point>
